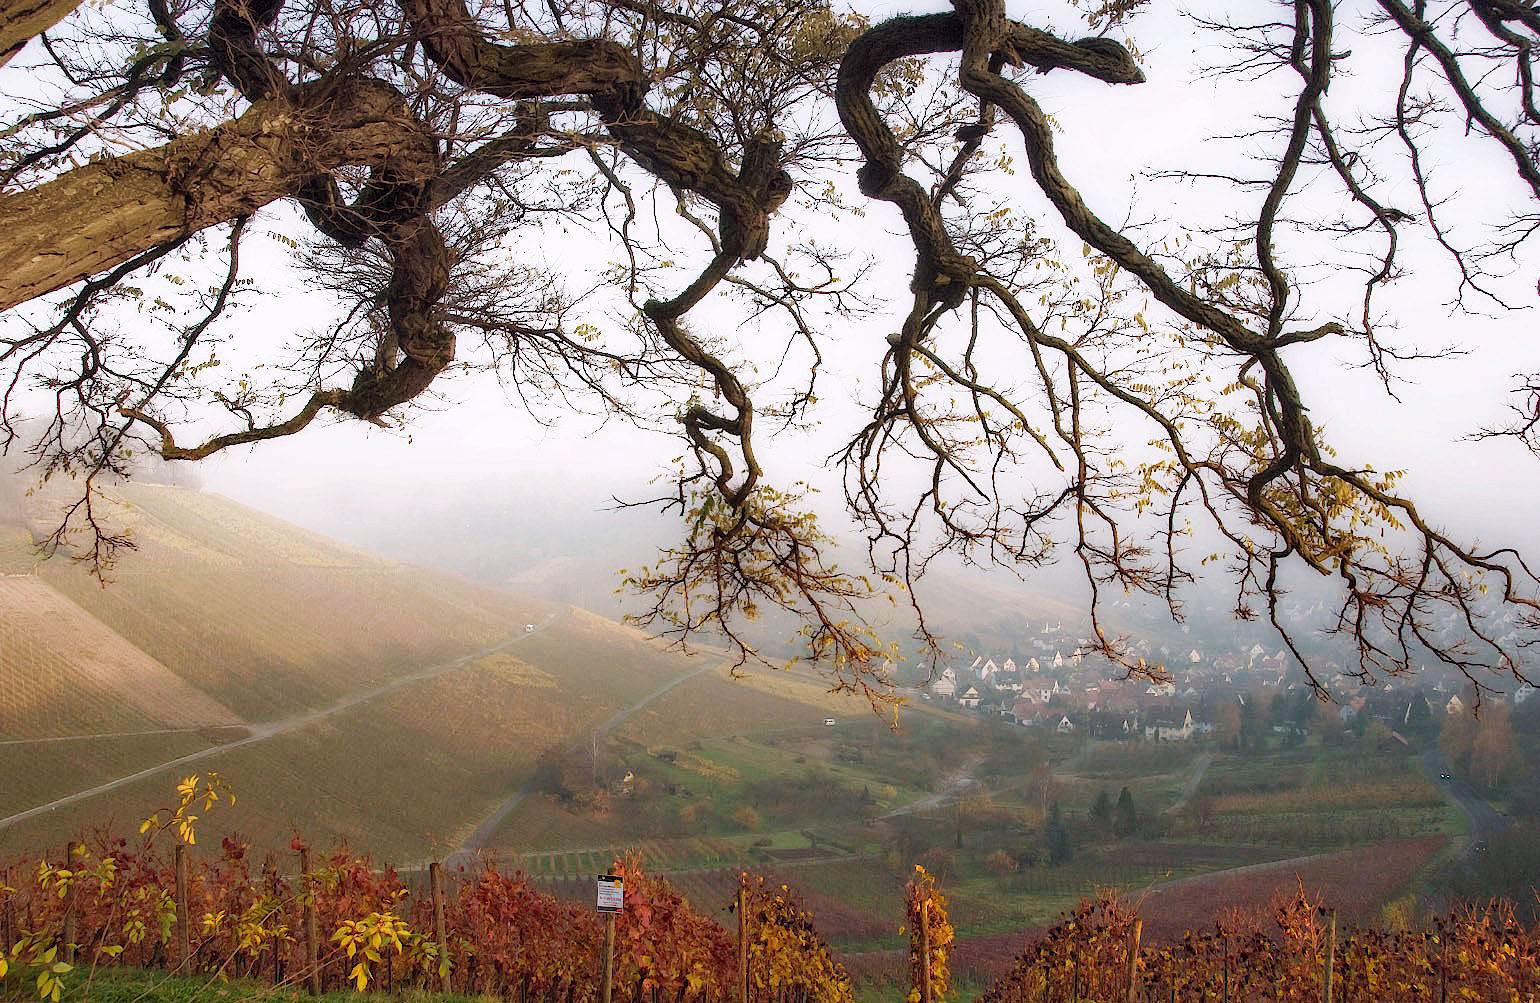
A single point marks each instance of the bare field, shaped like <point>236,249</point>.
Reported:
<point>1355,882</point>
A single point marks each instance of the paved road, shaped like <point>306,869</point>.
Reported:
<point>483,832</point>
<point>1482,819</point>
<point>1482,822</point>
<point>268,729</point>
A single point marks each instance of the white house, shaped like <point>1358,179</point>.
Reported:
<point>1040,689</point>
<point>946,685</point>
<point>1171,731</point>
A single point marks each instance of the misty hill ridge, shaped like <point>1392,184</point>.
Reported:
<point>266,618</point>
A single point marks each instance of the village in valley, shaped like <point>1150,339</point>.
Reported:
<point>1060,686</point>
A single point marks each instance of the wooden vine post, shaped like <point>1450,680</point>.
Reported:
<point>926,993</point>
<point>312,924</point>
<point>743,942</point>
<point>610,899</point>
<point>436,885</point>
<point>930,938</point>
<point>8,913</point>
<point>1226,984</point>
<point>607,971</point>
<point>1331,954</point>
<point>183,908</point>
<point>1134,934</point>
<point>71,903</point>
<point>275,943</point>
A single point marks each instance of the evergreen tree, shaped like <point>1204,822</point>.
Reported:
<point>1420,723</point>
<point>1056,835</point>
<point>1101,812</point>
<point>1125,820</point>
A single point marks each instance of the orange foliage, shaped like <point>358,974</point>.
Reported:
<point>1481,954</point>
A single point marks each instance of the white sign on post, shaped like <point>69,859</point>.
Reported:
<point>612,893</point>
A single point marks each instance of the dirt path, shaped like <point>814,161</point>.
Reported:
<point>118,734</point>
<point>269,729</point>
<point>1191,787</point>
<point>484,831</point>
<point>952,785</point>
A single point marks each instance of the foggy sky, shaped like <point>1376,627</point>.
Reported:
<point>473,443</point>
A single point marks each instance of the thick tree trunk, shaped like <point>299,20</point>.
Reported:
<point>103,213</point>
<point>23,20</point>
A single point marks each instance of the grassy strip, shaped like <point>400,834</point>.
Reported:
<point>135,985</point>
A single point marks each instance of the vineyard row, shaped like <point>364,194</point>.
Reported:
<point>480,931</point>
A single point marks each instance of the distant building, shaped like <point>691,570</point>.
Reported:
<point>1039,689</point>
<point>946,685</point>
<point>1170,729</point>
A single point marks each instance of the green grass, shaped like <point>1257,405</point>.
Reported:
<point>131,985</point>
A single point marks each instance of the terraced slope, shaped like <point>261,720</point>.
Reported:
<point>267,618</point>
<point>65,673</point>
